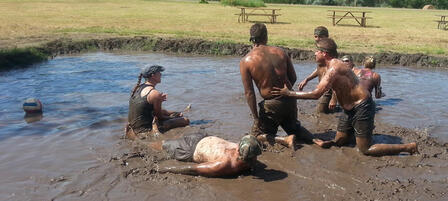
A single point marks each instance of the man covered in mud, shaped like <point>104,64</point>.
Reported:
<point>368,78</point>
<point>216,157</point>
<point>359,108</point>
<point>327,102</point>
<point>146,116</point>
<point>269,67</point>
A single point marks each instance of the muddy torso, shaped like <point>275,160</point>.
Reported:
<point>268,68</point>
<point>366,78</point>
<point>214,149</point>
<point>346,84</point>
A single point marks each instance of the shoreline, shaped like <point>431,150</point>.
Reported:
<point>23,57</point>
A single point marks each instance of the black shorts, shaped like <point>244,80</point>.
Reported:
<point>183,148</point>
<point>359,120</point>
<point>278,112</point>
<point>324,101</point>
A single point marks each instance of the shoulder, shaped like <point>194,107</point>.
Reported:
<point>154,93</point>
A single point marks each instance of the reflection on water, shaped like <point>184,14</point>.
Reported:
<point>86,104</point>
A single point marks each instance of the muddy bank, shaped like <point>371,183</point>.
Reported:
<point>21,57</point>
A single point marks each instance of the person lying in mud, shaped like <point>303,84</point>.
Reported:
<point>215,156</point>
<point>368,78</point>
<point>145,107</point>
<point>268,67</point>
<point>328,101</point>
<point>359,108</point>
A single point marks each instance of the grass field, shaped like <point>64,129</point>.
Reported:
<point>30,22</point>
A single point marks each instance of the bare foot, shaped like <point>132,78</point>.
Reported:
<point>413,148</point>
<point>290,141</point>
<point>323,144</point>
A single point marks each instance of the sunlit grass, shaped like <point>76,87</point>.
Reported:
<point>397,30</point>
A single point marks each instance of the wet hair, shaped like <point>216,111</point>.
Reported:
<point>321,31</point>
<point>258,33</point>
<point>249,148</point>
<point>329,46</point>
<point>370,62</point>
<point>146,73</point>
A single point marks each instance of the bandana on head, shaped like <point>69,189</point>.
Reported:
<point>249,147</point>
<point>148,71</point>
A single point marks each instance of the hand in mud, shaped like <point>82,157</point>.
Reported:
<point>301,85</point>
<point>280,91</point>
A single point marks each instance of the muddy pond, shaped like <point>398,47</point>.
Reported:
<point>76,151</point>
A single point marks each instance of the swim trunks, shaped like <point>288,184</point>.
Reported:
<point>276,112</point>
<point>183,148</point>
<point>359,120</point>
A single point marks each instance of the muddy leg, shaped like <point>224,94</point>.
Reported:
<point>339,140</point>
<point>175,123</point>
<point>287,141</point>
<point>364,145</point>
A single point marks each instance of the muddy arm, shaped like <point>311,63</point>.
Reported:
<point>208,169</point>
<point>249,90</point>
<point>313,75</point>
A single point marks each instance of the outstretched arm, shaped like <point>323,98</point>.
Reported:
<point>321,88</point>
<point>313,75</point>
<point>208,169</point>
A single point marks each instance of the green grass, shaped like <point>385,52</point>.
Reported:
<point>26,23</point>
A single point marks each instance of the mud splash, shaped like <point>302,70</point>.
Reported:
<point>15,57</point>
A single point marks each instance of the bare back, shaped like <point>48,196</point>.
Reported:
<point>213,148</point>
<point>268,67</point>
<point>345,83</point>
<point>369,80</point>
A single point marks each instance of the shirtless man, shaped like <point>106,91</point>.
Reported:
<point>359,108</point>
<point>216,157</point>
<point>327,102</point>
<point>368,78</point>
<point>269,67</point>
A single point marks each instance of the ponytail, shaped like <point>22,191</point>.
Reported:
<point>138,84</point>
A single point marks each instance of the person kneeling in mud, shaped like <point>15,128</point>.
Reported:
<point>355,99</point>
<point>145,107</point>
<point>216,156</point>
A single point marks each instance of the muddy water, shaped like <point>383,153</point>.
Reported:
<point>76,150</point>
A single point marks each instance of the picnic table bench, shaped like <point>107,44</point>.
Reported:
<point>359,16</point>
<point>243,16</point>
<point>442,23</point>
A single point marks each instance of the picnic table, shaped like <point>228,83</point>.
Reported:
<point>243,16</point>
<point>359,16</point>
<point>442,23</point>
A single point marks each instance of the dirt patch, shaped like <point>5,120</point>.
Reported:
<point>9,59</point>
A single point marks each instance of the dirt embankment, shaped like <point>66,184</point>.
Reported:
<point>21,57</point>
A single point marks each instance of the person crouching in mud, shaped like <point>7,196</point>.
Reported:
<point>216,157</point>
<point>145,107</point>
<point>355,99</point>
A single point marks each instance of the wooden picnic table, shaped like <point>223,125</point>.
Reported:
<point>442,23</point>
<point>243,16</point>
<point>358,16</point>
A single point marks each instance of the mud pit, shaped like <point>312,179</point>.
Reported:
<point>77,150</point>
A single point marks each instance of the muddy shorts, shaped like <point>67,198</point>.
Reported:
<point>278,112</point>
<point>359,120</point>
<point>324,101</point>
<point>182,149</point>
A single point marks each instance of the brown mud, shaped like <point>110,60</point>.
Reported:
<point>308,173</point>
<point>11,58</point>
